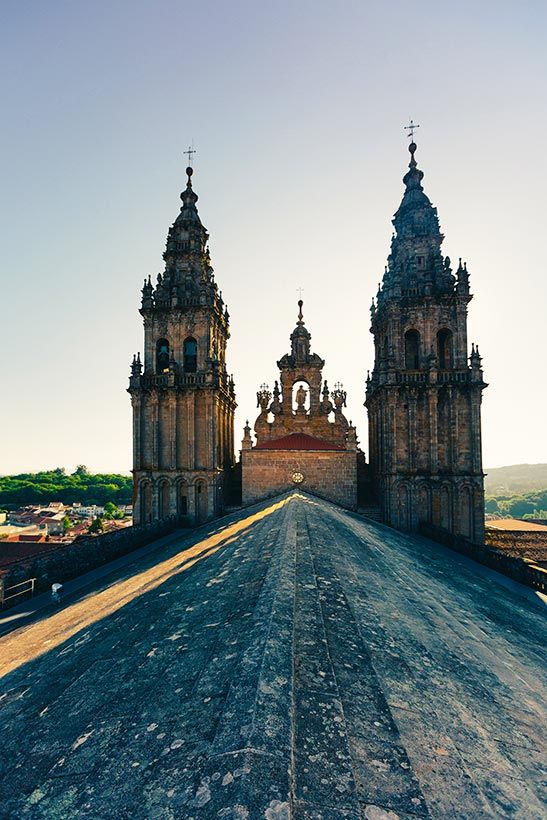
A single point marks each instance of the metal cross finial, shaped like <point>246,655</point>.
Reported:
<point>411,128</point>
<point>300,291</point>
<point>191,150</point>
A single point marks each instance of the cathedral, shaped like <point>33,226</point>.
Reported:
<point>423,395</point>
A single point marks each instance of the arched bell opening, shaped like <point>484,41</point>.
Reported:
<point>444,349</point>
<point>190,355</point>
<point>412,350</point>
<point>162,356</point>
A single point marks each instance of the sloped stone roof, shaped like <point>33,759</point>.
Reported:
<point>292,660</point>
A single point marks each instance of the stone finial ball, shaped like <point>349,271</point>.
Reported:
<point>412,147</point>
<point>189,171</point>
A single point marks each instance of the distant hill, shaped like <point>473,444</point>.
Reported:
<point>518,478</point>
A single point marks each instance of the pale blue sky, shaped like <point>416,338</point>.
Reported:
<point>296,109</point>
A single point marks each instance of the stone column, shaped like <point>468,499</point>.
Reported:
<point>191,430</point>
<point>154,412</point>
<point>231,432</point>
<point>476,457</point>
<point>211,431</point>
<point>459,339</point>
<point>390,433</point>
<point>173,497</point>
<point>149,346</point>
<point>220,433</point>
<point>155,500</point>
<point>136,402</point>
<point>180,422</point>
<point>451,444</point>
<point>433,430</point>
<point>191,501</point>
<point>173,430</point>
<point>411,427</point>
<point>137,503</point>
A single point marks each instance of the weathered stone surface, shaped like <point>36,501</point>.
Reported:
<point>294,662</point>
<point>330,475</point>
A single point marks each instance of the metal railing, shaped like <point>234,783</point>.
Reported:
<point>28,587</point>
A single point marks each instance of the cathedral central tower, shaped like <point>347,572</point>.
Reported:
<point>182,396</point>
<point>424,394</point>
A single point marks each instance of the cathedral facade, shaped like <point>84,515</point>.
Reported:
<point>182,396</point>
<point>303,438</point>
<point>423,395</point>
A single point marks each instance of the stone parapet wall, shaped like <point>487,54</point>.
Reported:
<point>516,568</point>
<point>84,554</point>
<point>329,474</point>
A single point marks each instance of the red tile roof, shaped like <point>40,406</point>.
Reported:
<point>298,441</point>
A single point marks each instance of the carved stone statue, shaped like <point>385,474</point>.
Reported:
<point>301,396</point>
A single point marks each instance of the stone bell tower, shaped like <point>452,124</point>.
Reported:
<point>182,396</point>
<point>424,393</point>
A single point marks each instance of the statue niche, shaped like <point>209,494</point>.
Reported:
<point>300,398</point>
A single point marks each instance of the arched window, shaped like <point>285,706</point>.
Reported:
<point>201,501</point>
<point>412,350</point>
<point>162,355</point>
<point>444,349</point>
<point>190,356</point>
<point>145,503</point>
<point>164,495</point>
<point>182,499</point>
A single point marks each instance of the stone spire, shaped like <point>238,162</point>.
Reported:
<point>415,264</point>
<point>188,277</point>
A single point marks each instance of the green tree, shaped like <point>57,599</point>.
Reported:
<point>81,470</point>
<point>112,510</point>
<point>67,524</point>
<point>96,526</point>
<point>492,506</point>
<point>519,506</point>
<point>53,485</point>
